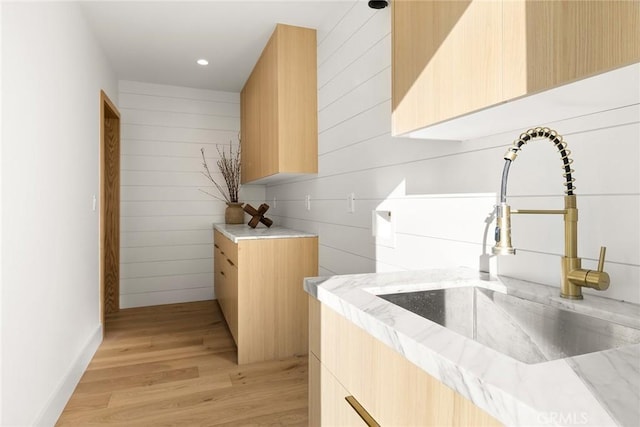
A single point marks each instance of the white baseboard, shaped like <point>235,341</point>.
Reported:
<point>166,297</point>
<point>56,403</point>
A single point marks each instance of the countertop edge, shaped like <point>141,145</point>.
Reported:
<point>238,232</point>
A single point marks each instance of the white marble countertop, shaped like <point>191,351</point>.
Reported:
<point>595,389</point>
<point>236,232</point>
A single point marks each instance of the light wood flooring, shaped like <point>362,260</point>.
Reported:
<point>176,365</point>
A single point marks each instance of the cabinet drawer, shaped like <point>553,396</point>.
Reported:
<point>218,278</point>
<point>226,246</point>
<point>393,390</point>
<point>226,280</point>
<point>330,399</point>
<point>229,303</point>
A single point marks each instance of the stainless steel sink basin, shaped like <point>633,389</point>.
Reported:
<point>524,330</point>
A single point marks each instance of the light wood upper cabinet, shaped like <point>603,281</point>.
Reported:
<point>454,58</point>
<point>446,60</point>
<point>603,36</point>
<point>279,108</point>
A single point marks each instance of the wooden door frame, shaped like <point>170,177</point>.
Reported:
<point>107,110</point>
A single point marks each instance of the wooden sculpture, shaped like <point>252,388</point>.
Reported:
<point>257,215</point>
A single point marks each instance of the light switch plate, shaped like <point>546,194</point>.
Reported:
<point>351,203</point>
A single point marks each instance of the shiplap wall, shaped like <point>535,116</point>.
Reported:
<point>441,194</point>
<point>166,221</point>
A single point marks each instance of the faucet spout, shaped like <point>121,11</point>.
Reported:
<point>573,276</point>
<point>527,136</point>
<point>503,211</point>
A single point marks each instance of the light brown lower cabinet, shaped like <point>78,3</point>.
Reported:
<point>344,361</point>
<point>258,284</point>
<point>333,408</point>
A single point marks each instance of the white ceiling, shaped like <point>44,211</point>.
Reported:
<point>159,41</point>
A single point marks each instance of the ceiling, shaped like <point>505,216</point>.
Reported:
<point>160,41</point>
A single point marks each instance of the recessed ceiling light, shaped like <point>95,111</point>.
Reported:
<point>202,62</point>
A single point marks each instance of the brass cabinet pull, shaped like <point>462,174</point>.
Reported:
<point>229,261</point>
<point>366,417</point>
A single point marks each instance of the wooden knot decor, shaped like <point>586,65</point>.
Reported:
<point>258,215</point>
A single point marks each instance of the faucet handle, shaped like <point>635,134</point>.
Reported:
<point>595,279</point>
<point>603,251</point>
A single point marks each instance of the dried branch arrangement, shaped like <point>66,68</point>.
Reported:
<point>229,165</point>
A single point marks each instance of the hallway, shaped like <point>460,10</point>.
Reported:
<point>175,365</point>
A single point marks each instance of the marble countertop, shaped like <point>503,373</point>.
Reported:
<point>236,232</point>
<point>595,389</point>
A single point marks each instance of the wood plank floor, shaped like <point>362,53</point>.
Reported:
<point>176,365</point>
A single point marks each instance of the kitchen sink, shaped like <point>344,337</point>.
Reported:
<point>528,331</point>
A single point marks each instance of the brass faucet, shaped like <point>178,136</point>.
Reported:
<point>573,276</point>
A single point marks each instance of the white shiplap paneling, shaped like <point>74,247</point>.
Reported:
<point>166,236</point>
<point>143,132</point>
<point>441,193</point>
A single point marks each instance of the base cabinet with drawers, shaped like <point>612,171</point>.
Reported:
<point>345,361</point>
<point>258,284</point>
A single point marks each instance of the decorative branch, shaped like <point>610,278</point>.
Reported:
<point>229,166</point>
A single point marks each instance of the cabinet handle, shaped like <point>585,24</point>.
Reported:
<point>366,417</point>
<point>216,246</point>
<point>222,272</point>
<point>229,261</point>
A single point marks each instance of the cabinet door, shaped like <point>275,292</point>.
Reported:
<point>259,112</point>
<point>268,91</point>
<point>452,58</point>
<point>447,60</point>
<point>279,107</point>
<point>297,100</point>
<point>569,40</point>
<point>250,130</point>
<point>273,317</point>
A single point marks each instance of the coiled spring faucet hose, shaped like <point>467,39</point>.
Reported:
<point>527,136</point>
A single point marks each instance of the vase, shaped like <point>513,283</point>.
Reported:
<point>234,214</point>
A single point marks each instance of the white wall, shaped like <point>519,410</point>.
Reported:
<point>166,221</point>
<point>52,74</point>
<point>440,193</point>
